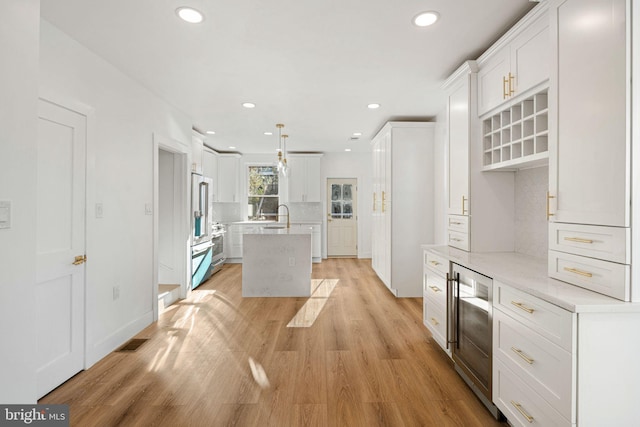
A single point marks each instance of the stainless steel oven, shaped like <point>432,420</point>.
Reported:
<point>470,320</point>
<point>217,238</point>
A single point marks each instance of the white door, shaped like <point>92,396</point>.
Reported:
<point>342,222</point>
<point>60,245</point>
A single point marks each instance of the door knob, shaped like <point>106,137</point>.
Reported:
<point>80,259</point>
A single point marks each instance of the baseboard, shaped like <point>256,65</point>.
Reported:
<point>105,346</point>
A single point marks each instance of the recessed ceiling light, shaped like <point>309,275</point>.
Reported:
<point>268,133</point>
<point>373,106</point>
<point>190,15</point>
<point>347,149</point>
<point>357,134</point>
<point>424,19</point>
<point>231,147</point>
<point>248,105</point>
<point>211,132</point>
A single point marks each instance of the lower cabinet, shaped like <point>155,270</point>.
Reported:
<point>434,298</point>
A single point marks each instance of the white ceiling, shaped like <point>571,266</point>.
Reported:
<point>313,66</point>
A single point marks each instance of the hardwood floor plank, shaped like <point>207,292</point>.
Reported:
<point>367,360</point>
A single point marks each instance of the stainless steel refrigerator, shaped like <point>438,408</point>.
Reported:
<point>201,229</point>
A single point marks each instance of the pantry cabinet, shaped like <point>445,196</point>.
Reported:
<point>229,177</point>
<point>402,203</point>
<point>304,178</point>
<point>590,143</point>
<point>517,63</point>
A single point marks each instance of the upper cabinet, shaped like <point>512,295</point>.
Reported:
<point>590,168</point>
<point>228,177</point>
<point>210,170</point>
<point>197,149</point>
<point>304,178</point>
<point>517,63</point>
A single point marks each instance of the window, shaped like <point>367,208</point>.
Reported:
<point>263,192</point>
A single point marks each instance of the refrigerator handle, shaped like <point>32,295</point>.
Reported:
<point>451,312</point>
<point>457,296</point>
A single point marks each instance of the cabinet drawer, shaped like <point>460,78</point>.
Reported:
<point>544,366</point>
<point>436,263</point>
<point>606,243</point>
<point>458,223</point>
<point>550,321</point>
<point>436,321</point>
<point>519,403</point>
<point>608,278</point>
<point>435,288</point>
<point>458,240</point>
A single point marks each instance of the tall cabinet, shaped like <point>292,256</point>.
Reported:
<point>402,203</point>
<point>590,142</point>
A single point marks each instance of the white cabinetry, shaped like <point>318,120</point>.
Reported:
<point>197,149</point>
<point>434,298</point>
<point>590,142</point>
<point>304,178</point>
<point>518,62</point>
<point>402,203</point>
<point>210,170</point>
<point>228,177</point>
<point>461,112</point>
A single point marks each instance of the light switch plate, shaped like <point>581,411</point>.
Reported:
<point>148,209</point>
<point>99,210</point>
<point>5,214</point>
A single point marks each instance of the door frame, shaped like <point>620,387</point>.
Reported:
<point>182,224</point>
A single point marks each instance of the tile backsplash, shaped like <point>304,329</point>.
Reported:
<point>531,187</point>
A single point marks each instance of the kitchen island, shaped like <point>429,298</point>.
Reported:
<point>276,262</point>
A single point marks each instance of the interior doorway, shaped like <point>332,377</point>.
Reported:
<point>171,229</point>
<point>342,217</point>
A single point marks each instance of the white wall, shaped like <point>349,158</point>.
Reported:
<point>19,22</point>
<point>120,176</point>
<point>351,165</point>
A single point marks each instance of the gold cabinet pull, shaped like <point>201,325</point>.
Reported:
<point>578,239</point>
<point>521,306</point>
<point>455,223</point>
<point>434,322</point>
<point>505,92</point>
<point>434,262</point>
<point>374,201</point>
<point>511,85</point>
<point>463,209</point>
<point>435,289</point>
<point>80,259</point>
<point>522,355</point>
<point>454,239</point>
<point>522,411</point>
<point>383,201</point>
<point>549,197</point>
<point>580,272</point>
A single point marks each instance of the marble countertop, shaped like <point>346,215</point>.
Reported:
<point>279,231</point>
<point>529,274</point>
<point>305,222</point>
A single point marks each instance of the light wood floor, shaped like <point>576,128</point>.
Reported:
<point>366,361</point>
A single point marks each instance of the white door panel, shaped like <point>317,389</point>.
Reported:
<point>60,226</point>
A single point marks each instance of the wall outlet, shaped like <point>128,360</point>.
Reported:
<point>148,209</point>
<point>99,210</point>
<point>292,262</point>
<point>116,292</point>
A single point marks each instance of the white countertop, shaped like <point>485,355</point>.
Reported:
<point>305,222</point>
<point>529,274</point>
<point>280,231</point>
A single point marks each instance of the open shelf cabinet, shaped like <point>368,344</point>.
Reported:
<point>517,136</point>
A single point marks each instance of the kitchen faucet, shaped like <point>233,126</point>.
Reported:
<point>287,207</point>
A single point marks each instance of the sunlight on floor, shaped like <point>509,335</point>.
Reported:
<point>311,309</point>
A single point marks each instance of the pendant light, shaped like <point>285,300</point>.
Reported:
<point>282,151</point>
<point>285,166</point>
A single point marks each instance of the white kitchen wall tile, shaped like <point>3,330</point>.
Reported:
<point>531,187</point>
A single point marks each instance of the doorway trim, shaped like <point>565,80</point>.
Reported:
<point>181,177</point>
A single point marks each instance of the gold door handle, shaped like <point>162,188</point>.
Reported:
<point>578,239</point>
<point>521,306</point>
<point>374,201</point>
<point>434,322</point>
<point>549,197</point>
<point>580,272</point>
<point>505,92</point>
<point>511,78</point>
<point>383,201</point>
<point>80,259</point>
<point>521,354</point>
<point>435,289</point>
<point>464,199</point>
<point>329,217</point>
<point>522,411</point>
